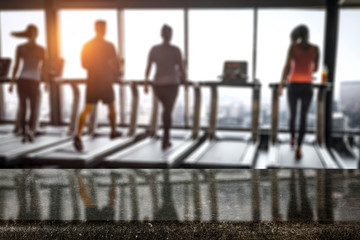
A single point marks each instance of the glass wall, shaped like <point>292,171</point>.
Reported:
<point>273,41</point>
<point>347,75</point>
<point>11,21</point>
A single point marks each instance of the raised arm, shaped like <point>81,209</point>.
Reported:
<point>15,70</point>
<point>286,71</point>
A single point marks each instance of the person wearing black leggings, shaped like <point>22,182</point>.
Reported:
<point>33,71</point>
<point>301,63</point>
<point>169,72</point>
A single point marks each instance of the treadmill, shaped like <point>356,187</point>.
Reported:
<point>228,149</point>
<point>346,154</point>
<point>315,153</point>
<point>96,145</point>
<point>148,152</point>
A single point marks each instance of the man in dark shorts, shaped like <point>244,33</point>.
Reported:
<point>98,57</point>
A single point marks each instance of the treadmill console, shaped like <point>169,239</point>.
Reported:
<point>234,73</point>
<point>4,67</point>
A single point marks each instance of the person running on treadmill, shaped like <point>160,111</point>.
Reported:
<point>301,62</point>
<point>99,58</point>
<point>170,72</point>
<point>33,71</point>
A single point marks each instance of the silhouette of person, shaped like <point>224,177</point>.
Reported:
<point>170,72</point>
<point>99,58</point>
<point>93,212</point>
<point>33,71</point>
<point>301,62</point>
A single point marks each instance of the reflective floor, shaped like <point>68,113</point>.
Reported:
<point>181,195</point>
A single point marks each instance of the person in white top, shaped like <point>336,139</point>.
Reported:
<point>170,72</point>
<point>33,71</point>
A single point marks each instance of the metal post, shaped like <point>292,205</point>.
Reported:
<point>154,115</point>
<point>320,115</point>
<point>255,112</point>
<point>255,43</point>
<point>186,38</point>
<point>332,23</point>
<point>52,33</point>
<point>213,111</point>
<point>122,92</point>
<point>274,114</point>
<point>196,116</point>
<point>134,108</point>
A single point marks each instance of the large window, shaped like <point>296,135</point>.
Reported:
<point>216,36</point>
<point>11,21</point>
<point>273,41</point>
<point>347,74</point>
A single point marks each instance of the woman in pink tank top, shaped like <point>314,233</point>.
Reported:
<point>302,61</point>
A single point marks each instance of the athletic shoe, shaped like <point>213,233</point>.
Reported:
<point>30,136</point>
<point>166,144</point>
<point>24,138</point>
<point>78,144</point>
<point>115,134</point>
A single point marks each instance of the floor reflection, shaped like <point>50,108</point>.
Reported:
<point>180,195</point>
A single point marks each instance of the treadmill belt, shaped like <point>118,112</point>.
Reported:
<point>310,158</point>
<point>223,153</point>
<point>147,153</point>
<point>91,145</point>
<point>14,147</point>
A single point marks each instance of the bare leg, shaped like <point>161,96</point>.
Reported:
<point>83,118</point>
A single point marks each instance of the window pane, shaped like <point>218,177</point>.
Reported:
<point>142,31</point>
<point>347,78</point>
<point>216,36</point>
<point>17,21</point>
<point>274,28</point>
